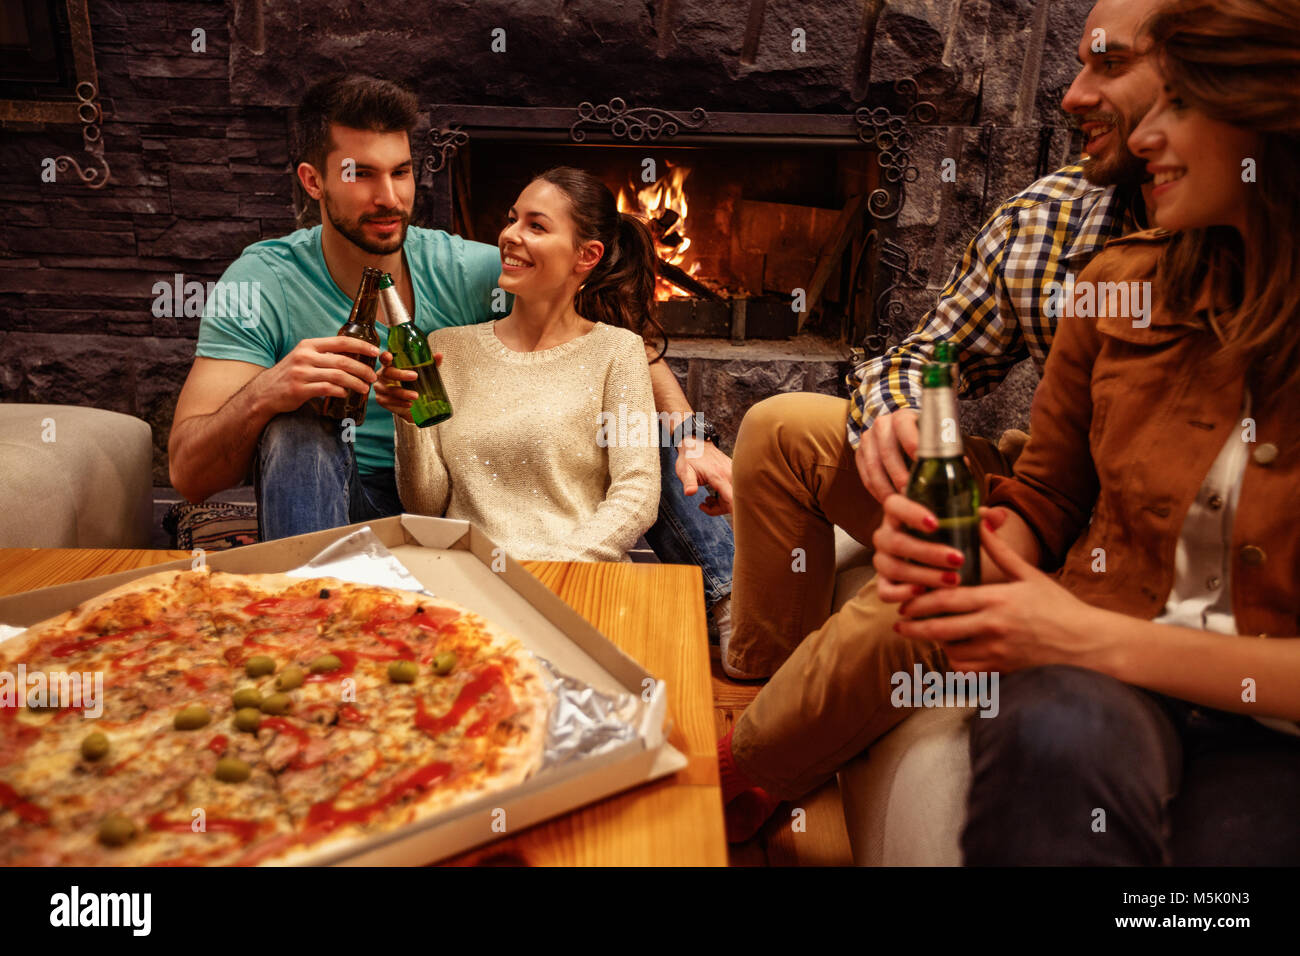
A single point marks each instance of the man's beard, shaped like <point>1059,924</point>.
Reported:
<point>354,229</point>
<point>1121,168</point>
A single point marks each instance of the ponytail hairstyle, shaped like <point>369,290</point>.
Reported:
<point>1238,61</point>
<point>620,290</point>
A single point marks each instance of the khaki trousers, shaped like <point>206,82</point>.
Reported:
<point>795,479</point>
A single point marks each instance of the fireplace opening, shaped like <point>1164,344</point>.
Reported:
<point>755,242</point>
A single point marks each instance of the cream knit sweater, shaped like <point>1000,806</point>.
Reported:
<point>524,455</point>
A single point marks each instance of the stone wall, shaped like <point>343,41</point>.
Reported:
<point>196,140</point>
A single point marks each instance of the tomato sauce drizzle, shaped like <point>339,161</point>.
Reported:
<point>23,735</point>
<point>72,647</point>
<point>300,735</point>
<point>326,816</point>
<point>26,810</point>
<point>488,681</point>
<point>290,607</point>
<point>218,744</point>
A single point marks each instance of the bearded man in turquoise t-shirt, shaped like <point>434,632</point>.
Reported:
<point>268,344</point>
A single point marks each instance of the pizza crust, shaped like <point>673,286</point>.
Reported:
<point>18,646</point>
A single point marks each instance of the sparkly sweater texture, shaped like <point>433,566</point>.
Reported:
<point>533,452</point>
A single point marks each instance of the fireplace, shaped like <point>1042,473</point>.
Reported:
<point>768,225</point>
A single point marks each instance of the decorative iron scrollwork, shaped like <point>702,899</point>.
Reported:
<point>893,267</point>
<point>90,114</point>
<point>443,144</point>
<point>633,124</point>
<point>891,134</point>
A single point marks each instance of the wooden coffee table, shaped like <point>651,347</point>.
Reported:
<point>654,613</point>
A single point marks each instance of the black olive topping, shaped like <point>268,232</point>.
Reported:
<point>324,593</point>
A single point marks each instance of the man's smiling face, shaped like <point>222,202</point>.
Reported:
<point>1114,88</point>
<point>368,188</point>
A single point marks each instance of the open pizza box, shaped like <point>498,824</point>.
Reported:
<point>456,561</point>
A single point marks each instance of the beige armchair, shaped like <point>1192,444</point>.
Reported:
<point>73,477</point>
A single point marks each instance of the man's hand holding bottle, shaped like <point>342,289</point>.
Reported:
<point>885,451</point>
<point>316,369</point>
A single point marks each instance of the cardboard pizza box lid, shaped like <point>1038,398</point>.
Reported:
<point>456,561</point>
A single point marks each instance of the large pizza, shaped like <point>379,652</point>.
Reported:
<point>252,719</point>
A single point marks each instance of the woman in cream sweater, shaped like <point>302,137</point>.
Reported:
<point>534,453</point>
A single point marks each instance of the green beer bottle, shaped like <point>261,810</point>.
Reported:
<point>940,479</point>
<point>360,325</point>
<point>411,351</point>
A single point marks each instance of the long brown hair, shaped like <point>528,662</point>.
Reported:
<point>620,290</point>
<point>1238,61</point>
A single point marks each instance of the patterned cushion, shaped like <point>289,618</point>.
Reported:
<point>212,527</point>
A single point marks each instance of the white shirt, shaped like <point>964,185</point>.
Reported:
<point>1201,596</point>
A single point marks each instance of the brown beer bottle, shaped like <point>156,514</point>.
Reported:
<point>360,325</point>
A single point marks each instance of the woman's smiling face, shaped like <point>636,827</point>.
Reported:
<point>539,245</point>
<point>1199,166</point>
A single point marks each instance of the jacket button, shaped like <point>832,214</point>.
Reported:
<point>1252,556</point>
<point>1215,502</point>
<point>1266,453</point>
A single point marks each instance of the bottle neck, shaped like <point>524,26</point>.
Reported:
<point>940,437</point>
<point>396,312</point>
<point>367,300</point>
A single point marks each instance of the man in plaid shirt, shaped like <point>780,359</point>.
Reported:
<point>805,463</point>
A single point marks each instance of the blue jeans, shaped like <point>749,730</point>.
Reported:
<point>1177,783</point>
<point>683,534</point>
<point>306,479</point>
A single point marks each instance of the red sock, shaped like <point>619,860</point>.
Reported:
<point>745,806</point>
<point>733,781</point>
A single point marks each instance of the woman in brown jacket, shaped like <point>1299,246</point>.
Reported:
<point>1151,689</point>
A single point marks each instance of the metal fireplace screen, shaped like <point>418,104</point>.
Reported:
<point>767,224</point>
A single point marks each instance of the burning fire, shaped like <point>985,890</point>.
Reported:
<point>663,204</point>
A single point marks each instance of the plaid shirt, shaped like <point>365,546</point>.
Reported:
<point>993,306</point>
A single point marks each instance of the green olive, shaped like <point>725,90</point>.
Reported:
<point>248,719</point>
<point>116,830</point>
<point>403,672</point>
<point>94,746</point>
<point>277,704</point>
<point>192,718</point>
<point>247,697</point>
<point>326,662</point>
<point>443,663</point>
<point>259,666</point>
<point>291,677</point>
<point>233,770</point>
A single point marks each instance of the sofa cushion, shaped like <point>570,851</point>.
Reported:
<point>905,798</point>
<point>74,477</point>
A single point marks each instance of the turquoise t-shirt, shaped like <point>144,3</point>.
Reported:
<point>454,280</point>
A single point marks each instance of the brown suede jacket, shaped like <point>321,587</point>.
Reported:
<point>1125,425</point>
